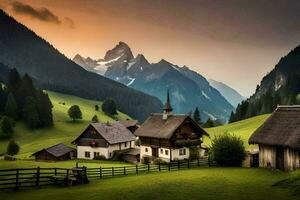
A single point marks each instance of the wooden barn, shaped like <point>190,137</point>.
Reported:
<point>58,152</point>
<point>279,139</point>
<point>169,137</point>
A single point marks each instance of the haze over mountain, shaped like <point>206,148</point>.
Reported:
<point>230,94</point>
<point>279,87</point>
<point>22,49</point>
<point>188,89</point>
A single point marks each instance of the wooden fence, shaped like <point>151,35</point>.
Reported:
<point>37,177</point>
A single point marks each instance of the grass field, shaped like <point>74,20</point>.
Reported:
<point>243,128</point>
<point>64,130</point>
<point>204,184</point>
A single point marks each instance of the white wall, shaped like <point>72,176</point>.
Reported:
<point>176,156</point>
<point>163,154</point>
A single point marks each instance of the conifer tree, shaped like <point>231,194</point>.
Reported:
<point>2,99</point>
<point>14,81</point>
<point>109,107</point>
<point>44,106</point>
<point>196,116</point>
<point>6,126</point>
<point>11,107</point>
<point>95,119</point>
<point>30,113</point>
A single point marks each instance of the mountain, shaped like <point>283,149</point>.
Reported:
<point>188,89</point>
<point>280,86</point>
<point>22,49</point>
<point>230,94</point>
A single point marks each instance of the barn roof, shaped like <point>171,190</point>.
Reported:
<point>282,128</point>
<point>157,127</point>
<point>57,150</point>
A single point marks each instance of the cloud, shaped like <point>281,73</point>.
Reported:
<point>70,23</point>
<point>42,14</point>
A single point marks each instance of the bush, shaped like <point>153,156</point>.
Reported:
<point>228,150</point>
<point>6,127</point>
<point>95,119</point>
<point>12,148</point>
<point>74,112</point>
<point>101,157</point>
<point>194,153</point>
<point>146,160</point>
<point>109,107</point>
<point>9,158</point>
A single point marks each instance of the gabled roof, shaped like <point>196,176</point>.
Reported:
<point>113,133</point>
<point>282,128</point>
<point>57,150</point>
<point>157,127</point>
<point>129,122</point>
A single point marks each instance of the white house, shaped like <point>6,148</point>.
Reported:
<point>169,137</point>
<point>102,139</point>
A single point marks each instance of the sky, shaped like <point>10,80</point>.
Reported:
<point>234,41</point>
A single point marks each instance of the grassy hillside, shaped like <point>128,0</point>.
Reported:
<point>205,184</point>
<point>64,130</point>
<point>243,128</point>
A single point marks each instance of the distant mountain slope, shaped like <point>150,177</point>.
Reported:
<point>23,49</point>
<point>188,89</point>
<point>230,94</point>
<point>280,86</point>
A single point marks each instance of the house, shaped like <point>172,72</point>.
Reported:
<point>132,125</point>
<point>168,136</point>
<point>102,139</point>
<point>58,152</point>
<point>279,139</point>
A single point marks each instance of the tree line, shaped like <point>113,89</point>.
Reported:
<point>21,101</point>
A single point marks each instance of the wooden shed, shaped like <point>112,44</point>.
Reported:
<point>279,139</point>
<point>58,152</point>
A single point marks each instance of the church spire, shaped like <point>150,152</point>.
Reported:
<point>167,109</point>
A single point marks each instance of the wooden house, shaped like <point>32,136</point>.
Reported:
<point>169,137</point>
<point>279,139</point>
<point>58,152</point>
<point>102,139</point>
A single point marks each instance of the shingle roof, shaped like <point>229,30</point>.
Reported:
<point>282,128</point>
<point>57,150</point>
<point>114,133</point>
<point>129,123</point>
<point>157,127</point>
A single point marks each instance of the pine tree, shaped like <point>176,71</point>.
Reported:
<point>26,89</point>
<point>12,148</point>
<point>2,99</point>
<point>208,124</point>
<point>75,112</point>
<point>30,113</point>
<point>44,107</point>
<point>196,116</point>
<point>14,81</point>
<point>231,118</point>
<point>95,119</point>
<point>109,107</point>
<point>96,107</point>
<point>6,126</point>
<point>11,107</point>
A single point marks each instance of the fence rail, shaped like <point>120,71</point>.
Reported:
<point>37,177</point>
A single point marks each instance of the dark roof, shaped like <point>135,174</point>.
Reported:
<point>57,150</point>
<point>282,128</point>
<point>157,127</point>
<point>129,122</point>
<point>113,133</point>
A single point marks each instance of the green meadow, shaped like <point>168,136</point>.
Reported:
<point>64,130</point>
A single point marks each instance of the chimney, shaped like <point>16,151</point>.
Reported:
<point>167,109</point>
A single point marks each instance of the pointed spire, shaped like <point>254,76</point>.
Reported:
<point>168,107</point>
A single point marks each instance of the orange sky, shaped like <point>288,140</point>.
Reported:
<point>234,42</point>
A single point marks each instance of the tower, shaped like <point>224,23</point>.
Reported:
<point>167,109</point>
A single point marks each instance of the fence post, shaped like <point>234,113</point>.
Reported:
<point>100,172</point>
<point>148,167</point>
<point>208,162</point>
<point>158,166</point>
<point>124,170</point>
<point>55,171</point>
<point>178,164</point>
<point>188,163</point>
<point>198,162</point>
<point>112,171</point>
<point>37,176</point>
<point>17,180</point>
<point>76,164</point>
<point>136,169</point>
<point>169,167</point>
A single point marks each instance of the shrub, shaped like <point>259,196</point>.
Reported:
<point>96,107</point>
<point>9,158</point>
<point>109,107</point>
<point>101,157</point>
<point>74,112</point>
<point>95,119</point>
<point>194,153</point>
<point>146,160</point>
<point>6,126</point>
<point>12,148</point>
<point>228,150</point>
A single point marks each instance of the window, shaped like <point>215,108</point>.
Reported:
<point>87,154</point>
<point>182,152</point>
<point>96,154</point>
<point>146,149</point>
<point>167,152</point>
<point>161,151</point>
<point>125,144</point>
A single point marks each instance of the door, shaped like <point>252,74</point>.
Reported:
<point>154,152</point>
<point>280,158</point>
